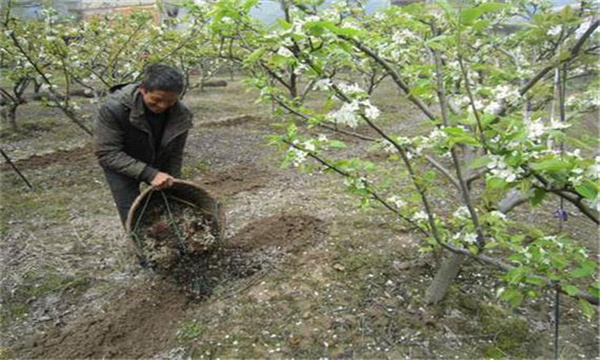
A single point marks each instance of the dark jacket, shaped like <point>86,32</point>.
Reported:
<point>124,142</point>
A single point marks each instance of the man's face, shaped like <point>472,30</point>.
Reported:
<point>159,101</point>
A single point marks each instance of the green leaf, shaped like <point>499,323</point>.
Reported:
<point>570,289</point>
<point>284,24</point>
<point>594,290</point>
<point>453,130</point>
<point>588,190</point>
<point>492,7</point>
<point>467,16</point>
<point>514,297</point>
<point>480,162</point>
<point>430,175</point>
<point>587,309</point>
<point>583,271</point>
<point>257,54</point>
<point>551,165</point>
<point>538,196</point>
<point>336,144</point>
<point>535,281</point>
<point>496,183</point>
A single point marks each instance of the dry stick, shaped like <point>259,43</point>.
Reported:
<point>15,168</point>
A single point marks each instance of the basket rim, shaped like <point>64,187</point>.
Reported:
<point>142,196</point>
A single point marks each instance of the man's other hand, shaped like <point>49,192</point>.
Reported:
<point>162,181</point>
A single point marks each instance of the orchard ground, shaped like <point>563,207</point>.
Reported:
<point>327,279</point>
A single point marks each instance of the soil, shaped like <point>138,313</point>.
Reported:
<point>137,325</point>
<point>233,180</point>
<point>142,321</point>
<point>72,157</point>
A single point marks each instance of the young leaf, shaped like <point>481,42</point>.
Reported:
<point>570,289</point>
<point>480,162</point>
<point>588,190</point>
<point>588,310</point>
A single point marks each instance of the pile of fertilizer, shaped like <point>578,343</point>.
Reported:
<point>171,229</point>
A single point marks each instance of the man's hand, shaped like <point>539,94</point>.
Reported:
<point>162,181</point>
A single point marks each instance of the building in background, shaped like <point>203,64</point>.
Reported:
<point>268,11</point>
<point>84,9</point>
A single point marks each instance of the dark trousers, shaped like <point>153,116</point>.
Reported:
<point>124,191</point>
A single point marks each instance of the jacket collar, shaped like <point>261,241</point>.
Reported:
<point>179,116</point>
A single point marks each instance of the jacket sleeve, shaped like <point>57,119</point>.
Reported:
<point>109,148</point>
<point>174,161</point>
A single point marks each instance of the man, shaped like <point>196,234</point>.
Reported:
<point>140,135</point>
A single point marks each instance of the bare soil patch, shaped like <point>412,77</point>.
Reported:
<point>143,321</point>
<point>72,158</point>
<point>236,179</point>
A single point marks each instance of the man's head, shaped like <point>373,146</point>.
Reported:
<point>161,87</point>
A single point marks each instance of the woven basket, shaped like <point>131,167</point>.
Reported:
<point>184,192</point>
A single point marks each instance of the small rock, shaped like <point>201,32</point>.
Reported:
<point>339,267</point>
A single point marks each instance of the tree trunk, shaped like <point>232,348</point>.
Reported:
<point>444,277</point>
<point>8,113</point>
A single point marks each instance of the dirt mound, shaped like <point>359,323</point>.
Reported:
<point>234,180</point>
<point>143,321</point>
<point>286,231</point>
<point>230,121</point>
<point>73,158</point>
<point>140,323</point>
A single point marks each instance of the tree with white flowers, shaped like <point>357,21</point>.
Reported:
<point>496,104</point>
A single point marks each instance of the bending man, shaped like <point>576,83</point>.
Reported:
<point>140,135</point>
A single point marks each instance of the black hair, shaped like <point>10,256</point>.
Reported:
<point>162,77</point>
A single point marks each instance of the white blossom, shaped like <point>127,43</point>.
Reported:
<point>496,161</point>
<point>497,214</point>
<point>493,107</point>
<point>470,238</point>
<point>283,51</point>
<point>398,203</point>
<point>506,93</point>
<point>462,212</point>
<point>322,137</point>
<point>508,174</point>
<point>555,30</point>
<point>421,215</point>
<point>371,111</point>
<point>535,129</point>
<point>558,125</point>
<point>308,145</point>
<point>298,156</point>
<point>350,90</point>
<point>346,114</point>
<point>594,170</point>
<point>323,84</point>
